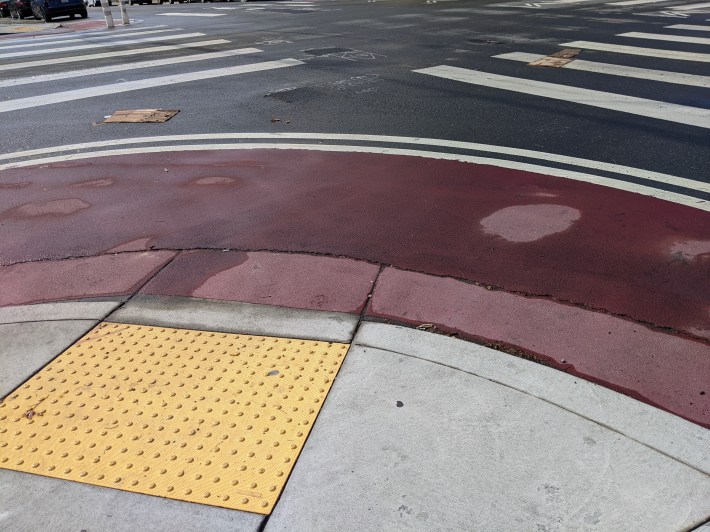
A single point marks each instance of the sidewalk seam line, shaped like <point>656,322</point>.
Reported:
<point>529,394</point>
<point>368,301</point>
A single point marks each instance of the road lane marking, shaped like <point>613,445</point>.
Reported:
<point>645,190</point>
<point>587,164</point>
<point>618,70</point>
<point>692,7</point>
<point>93,34</point>
<point>191,14</point>
<point>669,112</point>
<point>637,50</point>
<point>663,37</point>
<point>110,55</point>
<point>634,2</point>
<point>128,42</point>
<point>693,27</point>
<point>126,66</point>
<point>126,86</point>
<point>68,41</point>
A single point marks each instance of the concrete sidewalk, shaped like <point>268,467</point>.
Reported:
<point>420,431</point>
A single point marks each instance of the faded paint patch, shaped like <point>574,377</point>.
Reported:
<point>527,223</point>
<point>691,249</point>
<point>21,184</point>
<point>139,244</point>
<point>60,206</point>
<point>214,181</point>
<point>95,183</point>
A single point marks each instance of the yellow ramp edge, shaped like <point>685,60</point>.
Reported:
<point>205,417</point>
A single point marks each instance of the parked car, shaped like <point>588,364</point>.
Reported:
<point>19,8</point>
<point>49,9</point>
<point>4,11</point>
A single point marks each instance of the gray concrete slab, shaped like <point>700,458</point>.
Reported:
<point>407,444</point>
<point>669,434</point>
<point>231,316</point>
<point>65,310</point>
<point>29,503</point>
<point>27,347</point>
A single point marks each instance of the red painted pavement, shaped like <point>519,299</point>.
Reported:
<point>108,275</point>
<point>662,369</point>
<point>598,247</point>
<point>285,280</point>
<point>572,245</point>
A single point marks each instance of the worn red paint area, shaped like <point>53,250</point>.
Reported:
<point>592,246</point>
<point>103,276</point>
<point>279,279</point>
<point>665,370</point>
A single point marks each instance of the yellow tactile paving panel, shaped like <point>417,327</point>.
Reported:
<point>198,416</point>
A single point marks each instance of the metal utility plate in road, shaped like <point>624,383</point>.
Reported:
<point>198,416</point>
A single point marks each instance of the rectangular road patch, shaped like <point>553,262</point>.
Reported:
<point>205,417</point>
<point>141,116</point>
<point>558,59</point>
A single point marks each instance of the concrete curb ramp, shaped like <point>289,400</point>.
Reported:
<point>420,431</point>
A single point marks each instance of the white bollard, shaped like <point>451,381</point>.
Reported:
<point>107,14</point>
<point>124,13</point>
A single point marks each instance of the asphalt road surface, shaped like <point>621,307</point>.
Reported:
<point>361,68</point>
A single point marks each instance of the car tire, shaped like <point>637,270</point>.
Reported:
<point>84,14</point>
<point>47,18</point>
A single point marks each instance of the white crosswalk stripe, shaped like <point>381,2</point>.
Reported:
<point>605,100</point>
<point>40,44</point>
<point>634,2</point>
<point>692,7</point>
<point>110,55</point>
<point>619,70</point>
<point>126,86</point>
<point>90,34</point>
<point>126,66</point>
<point>67,49</point>
<point>126,42</point>
<point>636,50</point>
<point>690,27</point>
<point>663,37</point>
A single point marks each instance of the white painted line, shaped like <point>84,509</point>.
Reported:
<point>634,2</point>
<point>690,7</point>
<point>68,41</point>
<point>616,70</point>
<point>669,112</point>
<point>636,50</point>
<point>501,163</point>
<point>110,55</point>
<point>126,86</point>
<point>663,37</point>
<point>646,175</point>
<point>692,27</point>
<point>128,42</point>
<point>125,66</point>
<point>191,14</point>
<point>92,34</point>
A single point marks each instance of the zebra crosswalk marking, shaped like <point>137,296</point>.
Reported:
<point>604,100</point>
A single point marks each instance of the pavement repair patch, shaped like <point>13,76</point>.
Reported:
<point>141,116</point>
<point>198,416</point>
